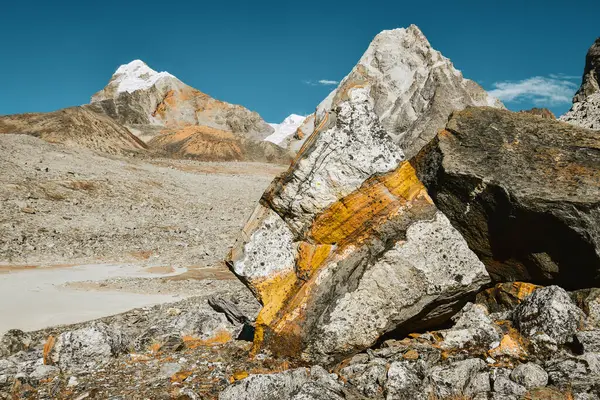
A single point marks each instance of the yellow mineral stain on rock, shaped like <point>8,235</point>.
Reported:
<point>310,258</point>
<point>220,337</point>
<point>376,199</point>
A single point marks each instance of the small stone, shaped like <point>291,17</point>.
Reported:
<point>529,375</point>
<point>589,340</point>
<point>169,369</point>
<point>411,355</point>
<point>73,381</point>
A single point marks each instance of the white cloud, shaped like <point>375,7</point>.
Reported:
<point>549,91</point>
<point>322,82</point>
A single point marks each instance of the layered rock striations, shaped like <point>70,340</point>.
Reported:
<point>523,191</point>
<point>585,111</point>
<point>413,86</point>
<point>347,245</point>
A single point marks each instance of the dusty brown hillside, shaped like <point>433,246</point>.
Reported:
<point>77,126</point>
<point>209,144</point>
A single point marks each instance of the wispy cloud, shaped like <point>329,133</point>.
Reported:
<point>322,82</point>
<point>549,91</point>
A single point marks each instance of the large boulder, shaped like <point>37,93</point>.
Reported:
<point>585,111</point>
<point>549,311</point>
<point>523,191</point>
<point>347,245</point>
<point>414,89</point>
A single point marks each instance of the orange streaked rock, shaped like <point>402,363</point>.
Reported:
<point>374,201</point>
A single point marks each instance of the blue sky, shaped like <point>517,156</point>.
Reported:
<point>261,54</point>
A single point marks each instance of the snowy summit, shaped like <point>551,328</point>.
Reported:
<point>137,76</point>
<point>285,129</point>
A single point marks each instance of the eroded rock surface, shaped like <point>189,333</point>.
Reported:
<point>347,245</point>
<point>523,191</point>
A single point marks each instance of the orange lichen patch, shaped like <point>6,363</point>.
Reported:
<point>511,345</point>
<point>370,205</point>
<point>181,376</point>
<point>310,257</point>
<point>155,347</point>
<point>239,375</point>
<point>220,337</point>
<point>48,346</point>
<point>505,295</point>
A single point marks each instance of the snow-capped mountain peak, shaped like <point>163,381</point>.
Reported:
<point>137,76</point>
<point>285,129</point>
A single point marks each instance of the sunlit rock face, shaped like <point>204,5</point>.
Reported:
<point>414,89</point>
<point>585,111</point>
<point>347,245</point>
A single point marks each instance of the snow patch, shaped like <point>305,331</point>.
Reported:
<point>285,129</point>
<point>137,76</point>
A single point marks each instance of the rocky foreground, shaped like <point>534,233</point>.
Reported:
<point>432,251</point>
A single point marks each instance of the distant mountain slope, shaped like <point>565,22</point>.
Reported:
<point>78,126</point>
<point>209,144</point>
<point>141,98</point>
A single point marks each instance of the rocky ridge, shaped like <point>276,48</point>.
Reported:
<point>585,111</point>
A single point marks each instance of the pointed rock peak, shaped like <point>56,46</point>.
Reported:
<point>585,111</point>
<point>591,74</point>
<point>417,87</point>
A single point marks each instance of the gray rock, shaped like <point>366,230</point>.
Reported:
<point>369,379</point>
<point>472,327</point>
<point>43,372</point>
<point>87,347</point>
<point>404,382</point>
<point>13,341</point>
<point>589,301</point>
<point>168,370</point>
<point>455,378</point>
<point>529,375</point>
<point>322,386</point>
<point>504,385</point>
<point>8,370</point>
<point>589,340</point>
<point>549,310</point>
<point>278,386</point>
<point>579,372</point>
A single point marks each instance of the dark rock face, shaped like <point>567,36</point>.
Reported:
<point>523,191</point>
<point>591,73</point>
<point>585,111</point>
